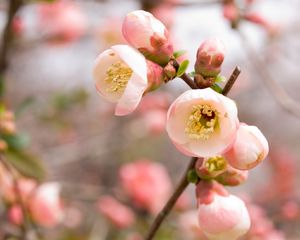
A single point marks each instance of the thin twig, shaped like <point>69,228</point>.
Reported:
<point>189,81</point>
<point>277,91</point>
<point>171,202</point>
<point>233,77</point>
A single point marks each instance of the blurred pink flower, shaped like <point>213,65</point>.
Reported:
<point>15,215</point>
<point>165,12</point>
<point>290,210</point>
<point>256,18</point>
<point>120,74</point>
<point>202,123</point>
<point>250,148</point>
<point>231,12</point>
<point>45,205</point>
<point>210,56</point>
<point>117,213</point>
<point>62,21</point>
<point>146,33</point>
<point>224,217</point>
<point>147,183</point>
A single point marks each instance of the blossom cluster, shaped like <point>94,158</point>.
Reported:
<point>201,122</point>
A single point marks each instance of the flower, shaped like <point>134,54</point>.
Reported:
<point>210,56</point>
<point>120,74</point>
<point>249,149</point>
<point>147,183</point>
<point>62,21</point>
<point>202,123</point>
<point>15,215</point>
<point>223,216</point>
<point>232,176</point>
<point>208,168</point>
<point>45,205</point>
<point>146,33</point>
<point>117,213</point>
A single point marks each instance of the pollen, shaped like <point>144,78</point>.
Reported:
<point>117,76</point>
<point>202,122</point>
<point>216,163</point>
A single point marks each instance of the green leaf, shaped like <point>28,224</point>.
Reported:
<point>192,176</point>
<point>179,53</point>
<point>182,68</point>
<point>217,88</point>
<point>220,79</point>
<point>27,164</point>
<point>192,74</point>
<point>16,142</point>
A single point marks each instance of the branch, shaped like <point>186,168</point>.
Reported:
<point>183,183</point>
<point>171,202</point>
<point>277,91</point>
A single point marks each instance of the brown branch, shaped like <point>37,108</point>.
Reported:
<point>183,183</point>
<point>277,91</point>
<point>171,202</point>
<point>233,77</point>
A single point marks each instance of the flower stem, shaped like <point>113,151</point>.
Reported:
<point>171,202</point>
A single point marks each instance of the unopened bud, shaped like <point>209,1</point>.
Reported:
<point>209,168</point>
<point>232,176</point>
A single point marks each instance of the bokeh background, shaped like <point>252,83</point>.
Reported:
<point>62,120</point>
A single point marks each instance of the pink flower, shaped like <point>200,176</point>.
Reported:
<point>15,215</point>
<point>210,56</point>
<point>62,21</point>
<point>211,167</point>
<point>146,33</point>
<point>120,74</point>
<point>147,183</point>
<point>202,123</point>
<point>249,149</point>
<point>224,217</point>
<point>117,213</point>
<point>45,205</point>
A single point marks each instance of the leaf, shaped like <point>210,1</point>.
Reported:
<point>192,74</point>
<point>192,176</point>
<point>182,68</point>
<point>27,164</point>
<point>16,142</point>
<point>217,88</point>
<point>179,53</point>
<point>220,79</point>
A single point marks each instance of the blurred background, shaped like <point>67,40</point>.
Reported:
<point>66,133</point>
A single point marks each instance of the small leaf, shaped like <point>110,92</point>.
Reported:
<point>217,88</point>
<point>179,53</point>
<point>16,142</point>
<point>182,68</point>
<point>192,176</point>
<point>27,164</point>
<point>220,79</point>
<point>192,74</point>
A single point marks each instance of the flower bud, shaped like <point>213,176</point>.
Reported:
<point>146,33</point>
<point>232,176</point>
<point>210,56</point>
<point>15,215</point>
<point>249,149</point>
<point>209,168</point>
<point>223,217</point>
<point>155,76</point>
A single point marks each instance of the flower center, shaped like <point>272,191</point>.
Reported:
<point>202,122</point>
<point>216,163</point>
<point>117,76</point>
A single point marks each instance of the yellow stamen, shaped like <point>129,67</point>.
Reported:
<point>202,122</point>
<point>117,76</point>
<point>216,163</point>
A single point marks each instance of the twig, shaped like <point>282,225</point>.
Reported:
<point>189,81</point>
<point>277,91</point>
<point>171,202</point>
<point>14,6</point>
<point>233,77</point>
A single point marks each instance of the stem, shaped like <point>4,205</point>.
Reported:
<point>14,6</point>
<point>183,183</point>
<point>171,202</point>
<point>233,77</point>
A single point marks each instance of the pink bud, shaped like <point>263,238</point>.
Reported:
<point>15,215</point>
<point>249,149</point>
<point>225,217</point>
<point>202,123</point>
<point>231,12</point>
<point>146,33</point>
<point>232,176</point>
<point>209,168</point>
<point>117,213</point>
<point>210,56</point>
<point>147,183</point>
<point>45,205</point>
<point>155,76</point>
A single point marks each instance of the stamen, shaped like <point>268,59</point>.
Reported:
<point>216,163</point>
<point>117,76</point>
<point>202,122</point>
